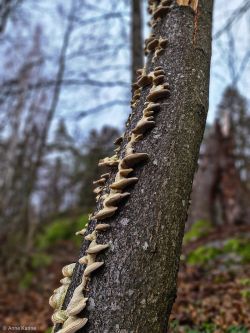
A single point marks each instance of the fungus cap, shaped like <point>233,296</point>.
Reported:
<point>136,158</point>
<point>67,270</point>
<point>73,324</point>
<point>105,212</point>
<point>92,267</point>
<point>116,198</point>
<point>97,248</point>
<point>102,227</point>
<point>59,317</point>
<point>123,183</point>
<point>78,307</point>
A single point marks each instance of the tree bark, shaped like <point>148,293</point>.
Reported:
<point>136,37</point>
<point>134,291</point>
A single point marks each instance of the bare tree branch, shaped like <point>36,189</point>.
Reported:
<point>236,15</point>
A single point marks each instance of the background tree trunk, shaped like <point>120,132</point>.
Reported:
<point>136,288</point>
<point>136,37</point>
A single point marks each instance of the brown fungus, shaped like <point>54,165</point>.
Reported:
<point>144,80</point>
<point>98,190</point>
<point>105,175</point>
<point>83,260</point>
<point>67,270</point>
<point>77,298</point>
<point>136,158</point>
<point>123,183</point>
<point>59,317</point>
<point>90,237</point>
<point>92,267</point>
<point>73,324</point>
<point>161,11</point>
<point>97,248</point>
<point>125,172</point>
<point>105,213</point>
<point>102,227</point>
<point>109,161</point>
<point>81,232</point>
<point>115,198</point>
<point>152,44</point>
<point>159,80</point>
<point>77,307</point>
<point>158,92</point>
<point>119,140</point>
<point>65,280</point>
<point>100,181</point>
<point>144,125</point>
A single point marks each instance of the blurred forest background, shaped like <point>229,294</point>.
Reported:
<point>66,70</point>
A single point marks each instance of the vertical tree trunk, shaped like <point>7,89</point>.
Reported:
<point>135,289</point>
<point>136,37</point>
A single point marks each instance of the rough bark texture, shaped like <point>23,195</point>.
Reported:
<point>136,288</point>
<point>136,37</point>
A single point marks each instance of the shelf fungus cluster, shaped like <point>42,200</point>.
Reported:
<point>111,192</point>
<point>155,46</point>
<point>158,9</point>
<point>56,300</point>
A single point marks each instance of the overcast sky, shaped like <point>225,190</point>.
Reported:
<point>95,47</point>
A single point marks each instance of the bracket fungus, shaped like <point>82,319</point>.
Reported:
<point>65,280</point>
<point>105,175</point>
<point>59,317</point>
<point>119,140</point>
<point>105,213</point>
<point>81,232</point>
<point>100,181</point>
<point>77,302</point>
<point>109,161</point>
<point>136,158</point>
<point>78,306</point>
<point>67,271</point>
<point>163,9</point>
<point>97,248</point>
<point>123,183</point>
<point>92,267</point>
<point>158,92</point>
<point>73,324</point>
<point>102,227</point>
<point>83,260</point>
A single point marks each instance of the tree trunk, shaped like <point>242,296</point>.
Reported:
<point>136,37</point>
<point>135,289</point>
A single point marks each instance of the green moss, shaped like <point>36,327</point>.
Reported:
<point>61,229</point>
<point>202,255</point>
<point>49,330</point>
<point>237,329</point>
<point>245,282</point>
<point>245,293</point>
<point>26,280</point>
<point>199,229</point>
<point>40,259</point>
<point>205,328</point>
<point>240,247</point>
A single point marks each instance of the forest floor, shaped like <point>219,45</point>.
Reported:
<point>213,287</point>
